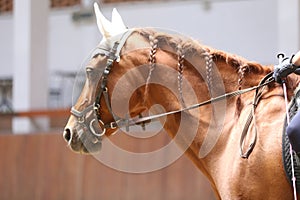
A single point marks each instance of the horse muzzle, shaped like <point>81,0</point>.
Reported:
<point>84,132</point>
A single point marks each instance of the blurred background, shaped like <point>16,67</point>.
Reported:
<point>44,42</point>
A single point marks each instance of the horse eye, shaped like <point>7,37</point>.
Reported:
<point>89,71</point>
<point>95,55</point>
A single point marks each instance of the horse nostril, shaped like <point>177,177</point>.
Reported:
<point>67,134</point>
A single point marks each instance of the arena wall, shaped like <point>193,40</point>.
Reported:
<point>40,166</point>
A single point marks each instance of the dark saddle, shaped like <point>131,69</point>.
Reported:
<point>286,155</point>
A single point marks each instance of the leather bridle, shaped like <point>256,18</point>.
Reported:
<point>112,55</point>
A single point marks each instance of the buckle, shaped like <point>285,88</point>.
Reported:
<point>111,125</point>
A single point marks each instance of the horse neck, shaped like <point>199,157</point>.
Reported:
<point>203,66</point>
<point>229,73</point>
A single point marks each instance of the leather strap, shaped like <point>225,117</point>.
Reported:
<point>251,117</point>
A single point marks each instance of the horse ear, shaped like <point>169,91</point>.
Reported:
<point>117,21</point>
<point>105,26</point>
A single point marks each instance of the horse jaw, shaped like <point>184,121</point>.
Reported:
<point>109,29</point>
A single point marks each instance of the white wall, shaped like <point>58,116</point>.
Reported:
<point>69,42</point>
<point>247,28</point>
<point>6,46</point>
<point>289,26</point>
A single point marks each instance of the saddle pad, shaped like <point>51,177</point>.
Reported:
<point>286,156</point>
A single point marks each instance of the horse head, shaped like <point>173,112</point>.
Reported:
<point>94,114</point>
<point>86,126</point>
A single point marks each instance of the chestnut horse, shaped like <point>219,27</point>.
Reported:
<point>123,52</point>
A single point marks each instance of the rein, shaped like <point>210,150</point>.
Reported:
<point>133,121</point>
<point>251,117</point>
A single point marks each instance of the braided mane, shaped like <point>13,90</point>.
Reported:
<point>190,47</point>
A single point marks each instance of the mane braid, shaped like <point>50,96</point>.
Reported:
<point>208,63</point>
<point>241,74</point>
<point>152,62</point>
<point>180,57</point>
